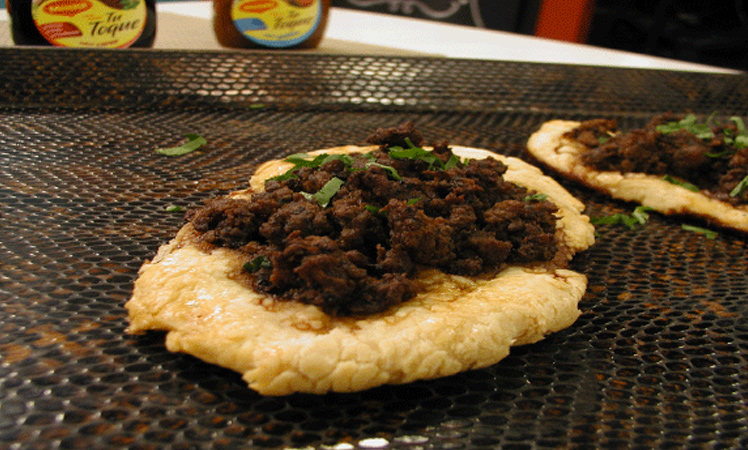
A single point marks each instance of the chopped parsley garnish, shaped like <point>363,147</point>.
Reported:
<point>419,154</point>
<point>390,170</point>
<point>640,216</point>
<point>537,197</point>
<point>303,160</point>
<point>740,141</point>
<point>453,161</point>
<point>324,195</point>
<point>740,188</point>
<point>194,141</point>
<point>688,123</point>
<point>174,208</point>
<point>604,139</point>
<point>683,184</point>
<point>734,141</point>
<point>260,262</point>
<point>412,201</point>
<point>723,154</point>
<point>709,234</point>
<point>300,160</point>
<point>288,175</point>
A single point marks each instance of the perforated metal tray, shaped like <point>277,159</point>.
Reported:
<point>657,360</point>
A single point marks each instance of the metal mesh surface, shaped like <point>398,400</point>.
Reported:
<point>657,360</point>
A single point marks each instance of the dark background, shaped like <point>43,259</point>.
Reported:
<point>714,33</point>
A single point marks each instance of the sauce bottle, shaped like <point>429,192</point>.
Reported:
<point>83,23</point>
<point>270,24</point>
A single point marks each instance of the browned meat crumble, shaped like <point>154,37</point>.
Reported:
<point>714,165</point>
<point>357,254</point>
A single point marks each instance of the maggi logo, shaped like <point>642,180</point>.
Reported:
<point>258,6</point>
<point>67,8</point>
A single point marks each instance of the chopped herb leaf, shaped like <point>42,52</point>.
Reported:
<point>390,170</point>
<point>614,219</point>
<point>722,154</point>
<point>324,195</point>
<point>453,161</point>
<point>413,201</point>
<point>371,208</point>
<point>260,262</point>
<point>739,124</point>
<point>194,141</point>
<point>300,160</point>
<point>416,153</point>
<point>638,217</point>
<point>288,175</point>
<point>688,123</point>
<point>741,142</point>
<point>305,160</point>
<point>420,154</point>
<point>734,141</point>
<point>347,160</point>
<point>709,234</point>
<point>680,183</point>
<point>703,131</point>
<point>740,188</point>
<point>174,208</point>
<point>537,197</point>
<point>641,214</point>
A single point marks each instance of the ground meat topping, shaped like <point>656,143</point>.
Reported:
<point>710,158</point>
<point>356,252</point>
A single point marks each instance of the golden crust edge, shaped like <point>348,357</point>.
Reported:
<point>549,147</point>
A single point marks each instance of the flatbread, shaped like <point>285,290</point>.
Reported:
<point>551,148</point>
<point>281,347</point>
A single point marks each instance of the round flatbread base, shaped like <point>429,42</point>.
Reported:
<point>563,155</point>
<point>456,324</point>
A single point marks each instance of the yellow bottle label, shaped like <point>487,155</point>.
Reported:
<point>90,23</point>
<point>276,23</point>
